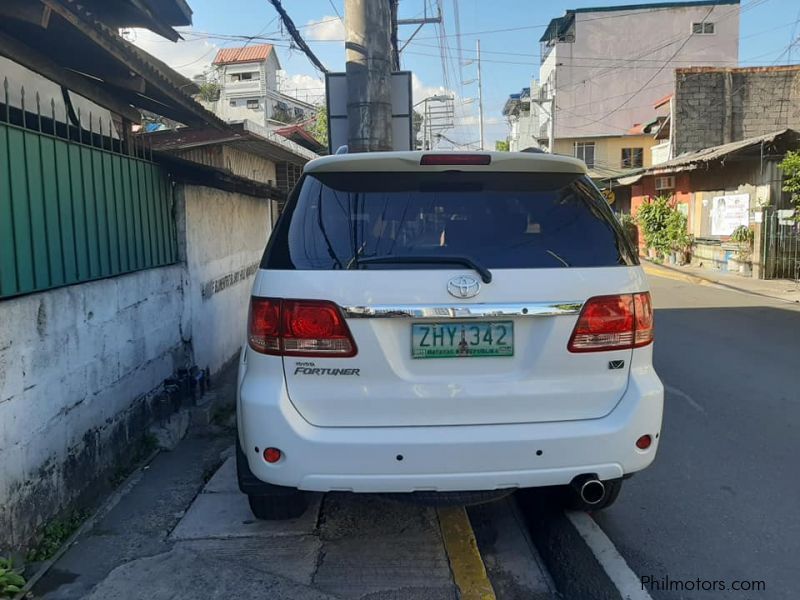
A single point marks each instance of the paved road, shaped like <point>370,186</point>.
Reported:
<point>721,500</point>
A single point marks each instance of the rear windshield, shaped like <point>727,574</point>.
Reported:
<point>499,220</point>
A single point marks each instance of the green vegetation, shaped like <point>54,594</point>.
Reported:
<point>790,166</point>
<point>744,237</point>
<point>55,534</point>
<point>629,227</point>
<point>209,91</point>
<point>663,226</point>
<point>11,579</point>
<point>320,128</point>
<point>501,146</point>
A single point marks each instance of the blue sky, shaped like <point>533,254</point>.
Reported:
<point>509,31</point>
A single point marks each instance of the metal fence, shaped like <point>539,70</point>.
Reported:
<point>781,239</point>
<point>77,201</point>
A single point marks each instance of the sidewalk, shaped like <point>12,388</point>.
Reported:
<point>780,289</point>
<point>183,531</point>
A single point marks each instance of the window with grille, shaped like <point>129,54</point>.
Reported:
<point>632,158</point>
<point>585,151</point>
<point>704,28</point>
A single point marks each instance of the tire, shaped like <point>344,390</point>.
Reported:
<point>278,508</point>
<point>268,502</point>
<point>572,501</point>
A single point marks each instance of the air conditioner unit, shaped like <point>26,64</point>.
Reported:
<point>666,182</point>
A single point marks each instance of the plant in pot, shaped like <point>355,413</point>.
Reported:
<point>743,237</point>
<point>653,218</point>
<point>677,235</point>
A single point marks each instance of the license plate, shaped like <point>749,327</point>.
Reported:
<point>462,340</point>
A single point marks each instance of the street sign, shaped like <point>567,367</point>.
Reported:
<point>402,122</point>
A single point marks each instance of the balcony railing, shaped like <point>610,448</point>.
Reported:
<point>243,86</point>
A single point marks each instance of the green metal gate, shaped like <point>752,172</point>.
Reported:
<point>76,204</point>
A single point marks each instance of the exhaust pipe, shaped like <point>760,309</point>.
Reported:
<point>589,488</point>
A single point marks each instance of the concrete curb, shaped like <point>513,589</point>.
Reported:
<point>104,508</point>
<point>706,279</point>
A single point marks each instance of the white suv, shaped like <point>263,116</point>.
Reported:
<point>446,322</point>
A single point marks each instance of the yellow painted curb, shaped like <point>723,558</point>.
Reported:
<point>466,564</point>
<point>667,274</point>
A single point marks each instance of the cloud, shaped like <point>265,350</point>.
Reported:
<point>328,28</point>
<point>189,56</point>
<point>304,87</point>
<point>473,120</point>
<point>420,91</point>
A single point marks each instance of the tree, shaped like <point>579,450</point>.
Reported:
<point>320,127</point>
<point>209,91</point>
<point>790,165</point>
<point>501,146</point>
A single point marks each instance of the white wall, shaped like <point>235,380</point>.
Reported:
<point>82,367</point>
<point>591,85</point>
<point>224,244</point>
<point>75,363</point>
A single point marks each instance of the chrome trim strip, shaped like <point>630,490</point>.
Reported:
<point>464,311</point>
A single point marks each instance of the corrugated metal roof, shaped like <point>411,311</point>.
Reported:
<point>168,88</point>
<point>691,161</point>
<point>243,54</point>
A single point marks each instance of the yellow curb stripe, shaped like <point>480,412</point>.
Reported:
<point>466,564</point>
<point>672,275</point>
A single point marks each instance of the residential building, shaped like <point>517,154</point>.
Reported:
<point>524,118</point>
<point>248,88</point>
<point>604,68</point>
<point>723,187</point>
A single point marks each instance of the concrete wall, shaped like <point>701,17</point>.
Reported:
<point>82,367</point>
<point>717,106</point>
<point>599,87</point>
<point>244,164</point>
<point>76,367</point>
<point>225,238</point>
<point>249,165</point>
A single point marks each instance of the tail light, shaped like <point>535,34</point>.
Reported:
<point>298,328</point>
<point>613,323</point>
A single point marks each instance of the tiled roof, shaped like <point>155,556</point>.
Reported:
<point>228,56</point>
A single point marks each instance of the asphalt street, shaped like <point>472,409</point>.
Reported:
<point>720,503</point>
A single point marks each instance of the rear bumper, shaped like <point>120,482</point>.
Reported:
<point>454,458</point>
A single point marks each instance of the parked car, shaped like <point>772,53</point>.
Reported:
<point>447,324</point>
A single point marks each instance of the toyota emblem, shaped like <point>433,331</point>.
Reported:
<point>463,287</point>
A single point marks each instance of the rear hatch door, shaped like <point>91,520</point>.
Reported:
<point>437,345</point>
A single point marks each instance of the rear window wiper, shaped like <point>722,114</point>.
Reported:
<point>485,274</point>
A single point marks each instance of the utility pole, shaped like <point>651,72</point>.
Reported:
<point>368,25</point>
<point>480,96</point>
